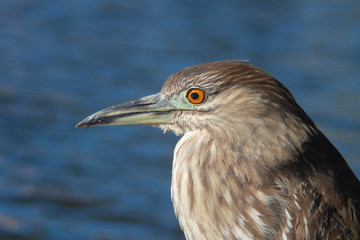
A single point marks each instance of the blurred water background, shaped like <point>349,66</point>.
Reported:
<point>63,60</point>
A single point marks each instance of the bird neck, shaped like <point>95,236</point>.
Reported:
<point>215,170</point>
<point>209,175</point>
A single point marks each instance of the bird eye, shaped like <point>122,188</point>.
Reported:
<point>195,95</point>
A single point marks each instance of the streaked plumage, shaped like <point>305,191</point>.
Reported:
<point>250,164</point>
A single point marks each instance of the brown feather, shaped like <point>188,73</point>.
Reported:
<point>253,165</point>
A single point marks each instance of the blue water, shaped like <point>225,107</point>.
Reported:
<point>63,60</point>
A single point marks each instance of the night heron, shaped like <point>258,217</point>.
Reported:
<point>250,164</point>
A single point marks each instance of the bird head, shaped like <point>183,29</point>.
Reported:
<point>220,97</point>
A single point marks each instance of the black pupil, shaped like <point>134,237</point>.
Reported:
<point>195,95</point>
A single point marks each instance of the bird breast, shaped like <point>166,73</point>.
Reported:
<point>208,177</point>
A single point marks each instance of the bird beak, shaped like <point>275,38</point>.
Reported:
<point>150,110</point>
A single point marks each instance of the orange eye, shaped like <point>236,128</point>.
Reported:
<point>195,95</point>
